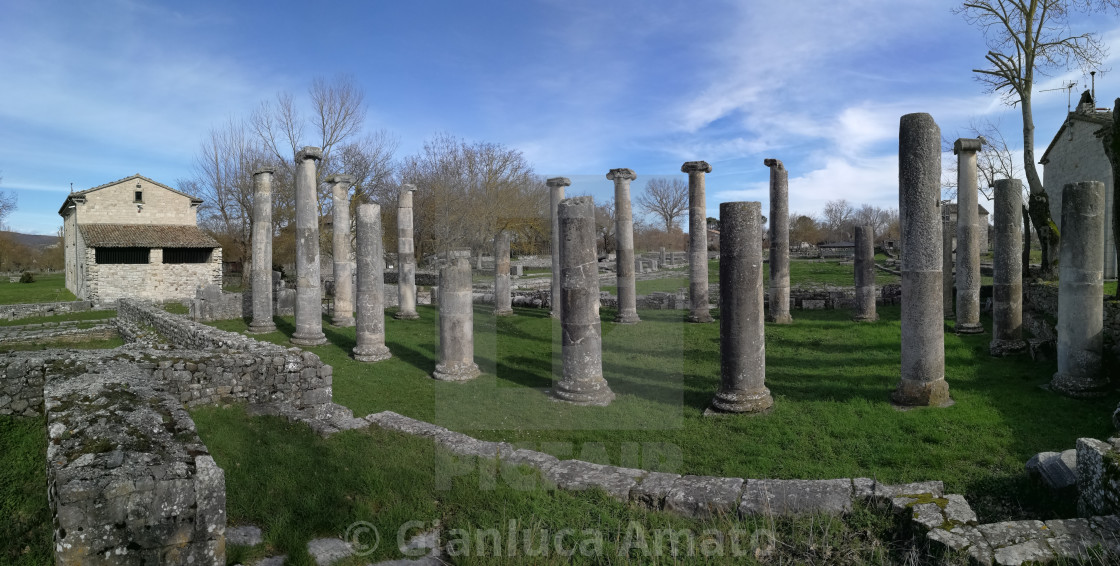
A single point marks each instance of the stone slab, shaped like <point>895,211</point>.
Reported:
<point>247,535</point>
<point>784,497</point>
<point>651,491</point>
<point>704,497</point>
<point>327,551</point>
<point>1031,551</point>
<point>576,475</point>
<point>1009,533</point>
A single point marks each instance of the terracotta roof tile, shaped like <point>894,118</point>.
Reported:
<point>146,236</point>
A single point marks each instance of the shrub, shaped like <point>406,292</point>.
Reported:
<point>27,277</point>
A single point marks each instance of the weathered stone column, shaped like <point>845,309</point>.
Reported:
<point>370,331</point>
<point>1007,276</point>
<point>661,258</point>
<point>262,252</point>
<point>556,194</point>
<point>923,329</point>
<point>1080,292</point>
<point>697,241</point>
<point>742,341</point>
<point>456,323</point>
<point>503,304</point>
<point>865,275</point>
<point>309,294</point>
<point>406,257</point>
<point>624,252</point>
<point>343,283</point>
<point>582,343</point>
<point>947,231</point>
<point>779,243</point>
<point>968,239</point>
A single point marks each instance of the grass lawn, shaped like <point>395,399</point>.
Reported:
<point>25,529</point>
<point>830,378</point>
<point>86,315</point>
<point>805,273</point>
<point>46,289</point>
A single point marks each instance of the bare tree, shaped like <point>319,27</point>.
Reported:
<point>1025,37</point>
<point>838,215</point>
<point>803,228</point>
<point>605,225</point>
<point>666,199</point>
<point>8,202</point>
<point>877,218</point>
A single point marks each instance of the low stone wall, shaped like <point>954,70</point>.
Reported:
<point>211,303</point>
<point>16,312</point>
<point>63,331</point>
<point>1098,476</point>
<point>128,479</point>
<point>423,278</point>
<point>21,384</point>
<point>1042,297</point>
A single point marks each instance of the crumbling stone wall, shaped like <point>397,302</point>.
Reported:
<point>1098,476</point>
<point>15,312</point>
<point>21,384</point>
<point>62,331</point>
<point>1042,297</point>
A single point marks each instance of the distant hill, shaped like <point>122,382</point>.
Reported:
<point>31,240</point>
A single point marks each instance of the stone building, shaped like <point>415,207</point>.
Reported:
<point>1076,154</point>
<point>985,226</point>
<point>139,239</point>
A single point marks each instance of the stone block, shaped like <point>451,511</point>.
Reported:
<point>651,491</point>
<point>1098,478</point>
<point>327,551</point>
<point>574,475</point>
<point>813,304</point>
<point>787,497</point>
<point>704,497</point>
<point>1010,533</point>
<point>1028,552</point>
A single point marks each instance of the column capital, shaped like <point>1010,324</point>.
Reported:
<point>264,170</point>
<point>696,167</point>
<point>408,188</point>
<point>309,152</point>
<point>775,163</point>
<point>621,175</point>
<point>558,182</point>
<point>966,144</point>
<point>342,180</point>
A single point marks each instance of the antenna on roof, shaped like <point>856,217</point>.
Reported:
<point>1069,93</point>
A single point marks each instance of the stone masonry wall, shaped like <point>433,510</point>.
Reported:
<point>1042,297</point>
<point>155,281</point>
<point>16,312</point>
<point>1098,476</point>
<point>21,384</point>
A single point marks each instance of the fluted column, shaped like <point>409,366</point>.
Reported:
<point>779,243</point>
<point>968,239</point>
<point>370,323</point>
<point>697,241</point>
<point>556,194</point>
<point>309,294</point>
<point>406,257</point>
<point>262,252</point>
<point>624,252</point>
<point>1007,269</point>
<point>343,314</point>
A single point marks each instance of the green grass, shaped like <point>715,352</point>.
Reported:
<point>85,315</point>
<point>46,289</point>
<point>25,530</point>
<point>805,273</point>
<point>80,344</point>
<point>830,378</point>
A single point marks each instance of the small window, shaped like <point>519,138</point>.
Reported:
<point>139,196</point>
<point>109,256</point>
<point>186,255</point>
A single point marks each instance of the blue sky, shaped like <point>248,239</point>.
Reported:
<point>97,91</point>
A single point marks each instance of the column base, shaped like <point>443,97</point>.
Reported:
<point>627,318</point>
<point>456,371</point>
<point>593,392</point>
<point>969,328</point>
<point>701,317</point>
<point>406,315</point>
<point>866,317</point>
<point>1079,386</point>
<point>913,393</point>
<point>503,312</point>
<point>261,327</point>
<point>750,401</point>
<point>779,318</point>
<point>309,339</point>
<point>554,314</point>
<point>371,353</point>
<point>342,321</point>
<point>1007,347</point>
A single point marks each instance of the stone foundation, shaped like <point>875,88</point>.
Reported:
<point>16,312</point>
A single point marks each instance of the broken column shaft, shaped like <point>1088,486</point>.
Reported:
<point>370,322</point>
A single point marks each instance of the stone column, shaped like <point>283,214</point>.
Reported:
<point>503,305</point>
<point>456,323</point>
<point>624,252</point>
<point>865,275</point>
<point>697,241</point>
<point>779,243</point>
<point>582,343</point>
<point>370,331</point>
<point>968,239</point>
<point>556,194</point>
<point>406,257</point>
<point>1080,292</point>
<point>309,295</point>
<point>1007,276</point>
<point>923,329</point>
<point>343,283</point>
<point>262,252</point>
<point>742,342</point>
<point>947,231</point>
<point>661,258</point>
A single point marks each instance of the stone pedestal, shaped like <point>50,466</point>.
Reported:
<point>968,239</point>
<point>779,243</point>
<point>556,194</point>
<point>948,229</point>
<point>697,241</point>
<point>923,330</point>
<point>624,253</point>
<point>865,275</point>
<point>742,340</point>
<point>503,301</point>
<point>406,257</point>
<point>456,324</point>
<point>1080,292</point>
<point>1007,276</point>
<point>582,379</point>
<point>343,314</point>
<point>309,294</point>
<point>262,252</point>
<point>370,331</point>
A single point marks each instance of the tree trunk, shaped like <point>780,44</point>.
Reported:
<point>1039,201</point>
<point>1026,244</point>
